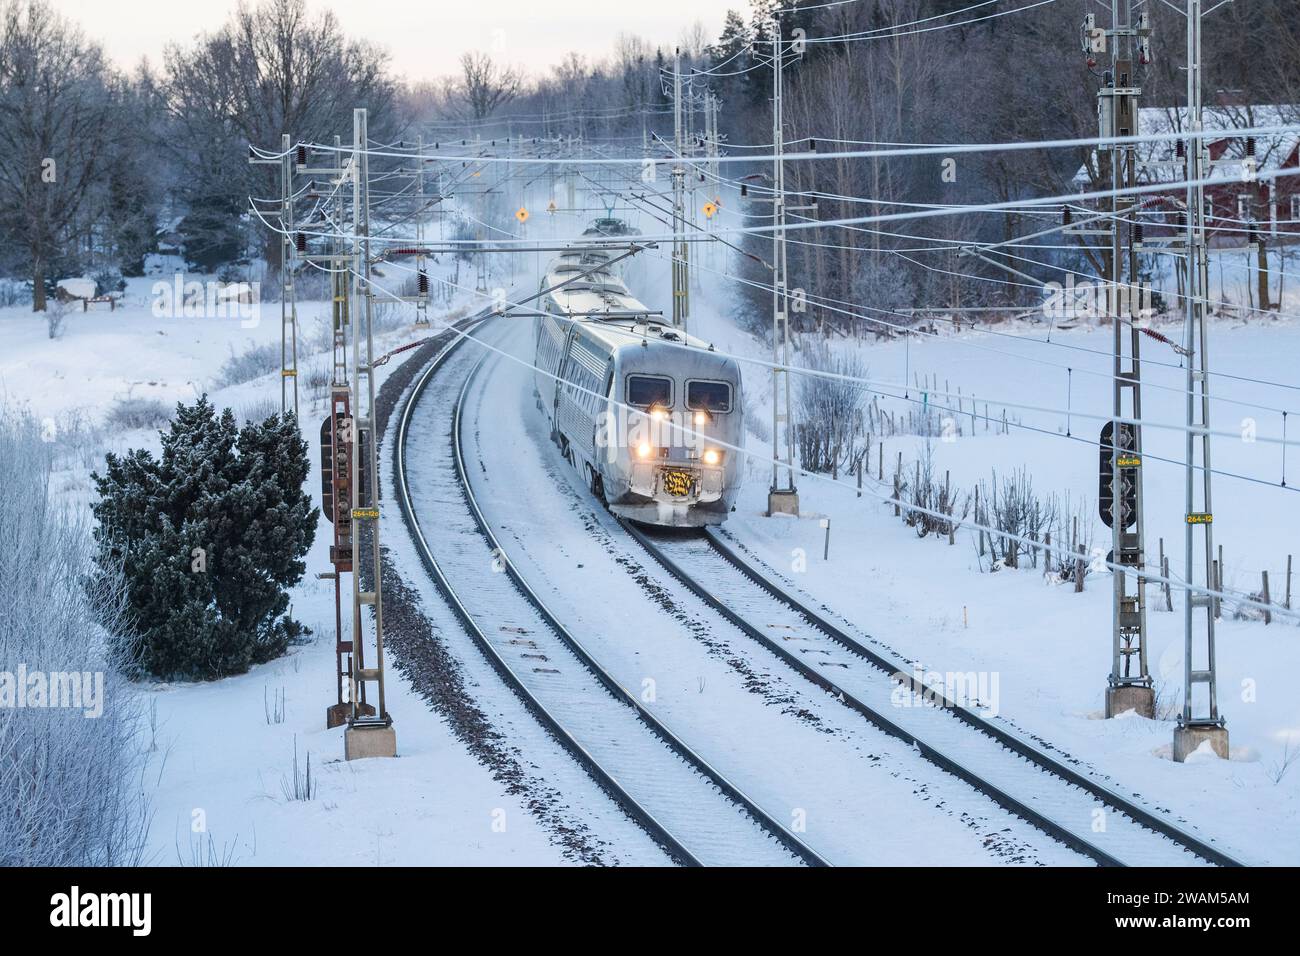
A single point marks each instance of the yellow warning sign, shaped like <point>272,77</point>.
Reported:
<point>709,210</point>
<point>360,513</point>
<point>1128,461</point>
<point>522,214</point>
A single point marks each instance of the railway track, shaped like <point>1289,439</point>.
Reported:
<point>1041,789</point>
<point>697,814</point>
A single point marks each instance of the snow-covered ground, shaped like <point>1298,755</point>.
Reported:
<point>1050,647</point>
<point>735,704</point>
<point>222,756</point>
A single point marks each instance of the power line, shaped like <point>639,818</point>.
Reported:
<point>885,499</point>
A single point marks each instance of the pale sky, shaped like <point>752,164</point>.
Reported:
<point>426,37</point>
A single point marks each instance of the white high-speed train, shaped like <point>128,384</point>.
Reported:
<point>649,415</point>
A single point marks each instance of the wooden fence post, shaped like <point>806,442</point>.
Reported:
<point>1288,582</point>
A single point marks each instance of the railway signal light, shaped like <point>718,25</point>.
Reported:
<point>1126,456</point>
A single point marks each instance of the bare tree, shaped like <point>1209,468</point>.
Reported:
<point>486,85</point>
<point>56,118</point>
<point>694,43</point>
<point>272,69</point>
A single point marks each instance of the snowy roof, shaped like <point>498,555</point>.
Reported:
<point>1272,150</point>
<point>82,287</point>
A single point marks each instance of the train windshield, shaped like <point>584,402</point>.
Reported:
<point>709,396</point>
<point>647,390</point>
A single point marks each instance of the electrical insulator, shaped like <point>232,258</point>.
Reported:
<point>812,145</point>
<point>1182,219</point>
<point>1250,146</point>
<point>1094,38</point>
<point>1137,232</point>
<point>1180,149</point>
<point>422,283</point>
<point>1144,38</point>
<point>463,143</point>
<point>744,190</point>
<point>300,240</point>
<point>1066,217</point>
<point>302,155</point>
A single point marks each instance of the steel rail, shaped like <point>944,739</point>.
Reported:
<point>606,780</point>
<point>1012,742</point>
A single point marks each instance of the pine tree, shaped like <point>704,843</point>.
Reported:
<point>209,536</point>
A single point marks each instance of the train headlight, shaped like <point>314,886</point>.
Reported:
<point>643,450</point>
<point>658,413</point>
<point>701,418</point>
<point>712,456</point>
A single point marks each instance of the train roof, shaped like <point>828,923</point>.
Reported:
<point>583,296</point>
<point>600,282</point>
<point>609,226</point>
<point>624,333</point>
<point>606,309</point>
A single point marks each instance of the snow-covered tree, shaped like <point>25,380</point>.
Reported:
<point>69,787</point>
<point>210,535</point>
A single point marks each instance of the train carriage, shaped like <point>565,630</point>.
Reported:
<point>650,416</point>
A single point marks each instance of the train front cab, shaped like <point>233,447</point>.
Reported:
<point>674,462</point>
